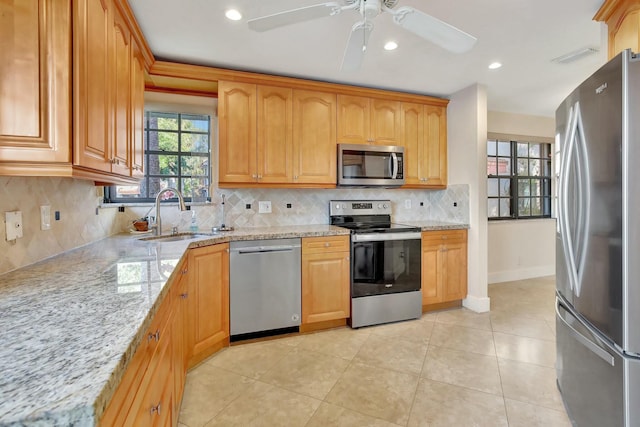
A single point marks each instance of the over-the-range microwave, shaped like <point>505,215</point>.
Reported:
<point>370,165</point>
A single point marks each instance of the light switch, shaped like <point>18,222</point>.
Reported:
<point>45,217</point>
<point>13,224</point>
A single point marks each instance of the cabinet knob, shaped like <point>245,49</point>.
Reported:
<point>254,176</point>
<point>295,176</point>
<point>155,336</point>
<point>184,271</point>
<point>445,237</point>
<point>327,244</point>
<point>184,296</point>
<point>156,409</point>
<point>259,176</point>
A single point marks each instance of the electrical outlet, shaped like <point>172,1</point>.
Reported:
<point>45,217</point>
<point>407,204</point>
<point>13,224</point>
<point>264,206</point>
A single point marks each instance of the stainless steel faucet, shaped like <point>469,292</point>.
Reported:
<point>181,205</point>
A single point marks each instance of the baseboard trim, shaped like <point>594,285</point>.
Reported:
<point>521,274</point>
<point>477,304</point>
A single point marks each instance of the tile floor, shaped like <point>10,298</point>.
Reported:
<point>452,368</point>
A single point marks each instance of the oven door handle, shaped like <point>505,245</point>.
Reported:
<point>379,237</point>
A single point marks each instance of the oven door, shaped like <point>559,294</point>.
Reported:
<point>385,263</point>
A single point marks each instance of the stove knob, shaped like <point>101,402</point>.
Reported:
<point>338,206</point>
<point>385,206</point>
<point>379,205</point>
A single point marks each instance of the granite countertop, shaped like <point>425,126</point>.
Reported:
<point>71,323</point>
<point>436,225</point>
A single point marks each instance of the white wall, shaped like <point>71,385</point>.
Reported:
<point>467,148</point>
<point>520,249</point>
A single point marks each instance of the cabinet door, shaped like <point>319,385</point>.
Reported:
<point>237,132</point>
<point>314,137</point>
<point>413,141</point>
<point>325,287</point>
<point>121,84</point>
<point>35,106</point>
<point>137,112</point>
<point>454,281</point>
<point>209,307</point>
<point>91,85</point>
<point>178,337</point>
<point>354,120</point>
<point>275,135</point>
<point>435,155</point>
<point>431,274</point>
<point>385,122</point>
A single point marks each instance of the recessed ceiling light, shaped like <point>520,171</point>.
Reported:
<point>233,15</point>
<point>391,45</point>
<point>495,65</point>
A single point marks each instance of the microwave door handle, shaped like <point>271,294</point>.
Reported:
<point>394,163</point>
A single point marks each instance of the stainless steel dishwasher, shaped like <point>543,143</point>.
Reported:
<point>264,287</point>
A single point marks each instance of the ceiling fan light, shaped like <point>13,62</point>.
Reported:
<point>233,15</point>
<point>390,45</point>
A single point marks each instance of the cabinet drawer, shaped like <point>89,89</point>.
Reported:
<point>312,245</point>
<point>444,236</point>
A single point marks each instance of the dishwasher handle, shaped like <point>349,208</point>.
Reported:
<point>264,249</point>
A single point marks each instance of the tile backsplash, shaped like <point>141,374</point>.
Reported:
<point>310,206</point>
<point>79,222</point>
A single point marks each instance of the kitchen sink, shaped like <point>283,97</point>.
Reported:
<point>175,237</point>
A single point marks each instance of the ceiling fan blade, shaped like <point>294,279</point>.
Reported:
<point>433,30</point>
<point>293,16</point>
<point>357,45</point>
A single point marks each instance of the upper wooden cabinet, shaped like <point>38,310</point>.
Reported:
<point>137,111</point>
<point>363,120</point>
<point>314,137</point>
<point>424,136</point>
<point>46,74</point>
<point>264,139</point>
<point>35,84</point>
<point>623,21</point>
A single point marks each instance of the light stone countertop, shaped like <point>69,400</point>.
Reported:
<point>436,225</point>
<point>70,324</point>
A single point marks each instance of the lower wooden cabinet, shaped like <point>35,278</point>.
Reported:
<point>325,279</point>
<point>444,266</point>
<point>180,350</point>
<point>208,302</point>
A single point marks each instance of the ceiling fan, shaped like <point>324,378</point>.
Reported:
<point>413,20</point>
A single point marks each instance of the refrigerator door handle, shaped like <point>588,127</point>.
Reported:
<point>593,347</point>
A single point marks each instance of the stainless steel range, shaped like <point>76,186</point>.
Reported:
<point>385,262</point>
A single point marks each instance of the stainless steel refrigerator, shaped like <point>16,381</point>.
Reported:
<point>598,247</point>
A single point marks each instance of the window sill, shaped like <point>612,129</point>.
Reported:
<point>520,221</point>
<point>148,204</point>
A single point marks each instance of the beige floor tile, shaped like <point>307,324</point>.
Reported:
<point>207,391</point>
<point>525,415</point>
<point>466,318</point>
<point>463,368</point>
<point>411,330</point>
<point>329,415</point>
<point>343,343</point>
<point>267,405</point>
<point>530,383</point>
<point>306,372</point>
<point>461,338</point>
<point>376,392</point>
<point>517,324</point>
<point>444,405</point>
<point>251,360</point>
<point>525,349</point>
<point>391,353</point>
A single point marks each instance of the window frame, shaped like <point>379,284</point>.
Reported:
<point>546,179</point>
<point>110,192</point>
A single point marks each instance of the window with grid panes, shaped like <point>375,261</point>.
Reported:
<point>518,179</point>
<point>177,154</point>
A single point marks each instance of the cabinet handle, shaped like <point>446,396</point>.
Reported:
<point>184,296</point>
<point>184,271</point>
<point>254,176</point>
<point>156,408</point>
<point>259,176</point>
<point>327,244</point>
<point>295,176</point>
<point>155,336</point>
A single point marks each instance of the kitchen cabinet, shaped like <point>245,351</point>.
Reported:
<point>208,301</point>
<point>272,135</point>
<point>314,137</point>
<point>623,24</point>
<point>67,101</point>
<point>424,136</point>
<point>35,104</point>
<point>444,266</point>
<point>325,279</point>
<point>143,384</point>
<point>363,120</point>
<point>179,341</point>
<point>137,111</point>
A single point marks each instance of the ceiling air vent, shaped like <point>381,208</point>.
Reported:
<point>575,55</point>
